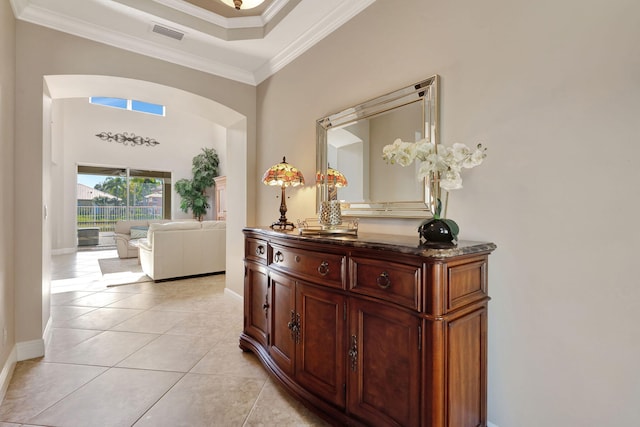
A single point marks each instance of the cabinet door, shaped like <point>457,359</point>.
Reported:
<point>384,364</point>
<point>284,321</point>
<point>466,372</point>
<point>257,302</point>
<point>320,354</point>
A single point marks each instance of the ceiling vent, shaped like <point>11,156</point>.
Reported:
<point>168,32</point>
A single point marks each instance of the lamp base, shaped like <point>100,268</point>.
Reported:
<point>283,225</point>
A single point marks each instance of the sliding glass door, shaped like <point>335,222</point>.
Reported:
<point>106,195</point>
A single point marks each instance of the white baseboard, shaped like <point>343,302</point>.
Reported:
<point>7,372</point>
<point>490,424</point>
<point>30,349</point>
<point>233,294</point>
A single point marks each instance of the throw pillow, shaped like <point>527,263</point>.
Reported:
<point>139,232</point>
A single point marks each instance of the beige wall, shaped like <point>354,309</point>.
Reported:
<point>553,90</point>
<point>41,52</point>
<point>7,77</point>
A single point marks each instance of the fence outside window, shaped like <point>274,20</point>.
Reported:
<point>105,217</point>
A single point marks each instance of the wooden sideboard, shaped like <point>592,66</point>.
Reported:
<point>371,329</point>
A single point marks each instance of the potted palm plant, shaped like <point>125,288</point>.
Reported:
<point>193,191</point>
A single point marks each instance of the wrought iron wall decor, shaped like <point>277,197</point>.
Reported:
<point>127,139</point>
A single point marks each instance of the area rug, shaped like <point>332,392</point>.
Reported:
<point>119,265</point>
<point>117,272</point>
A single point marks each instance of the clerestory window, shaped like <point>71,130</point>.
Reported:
<point>129,104</point>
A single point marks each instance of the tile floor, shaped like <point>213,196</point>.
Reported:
<point>146,354</point>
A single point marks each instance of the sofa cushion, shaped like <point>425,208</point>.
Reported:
<point>214,224</point>
<point>168,226</point>
<point>124,227</point>
<point>139,232</point>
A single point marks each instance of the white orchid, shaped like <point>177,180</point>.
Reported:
<point>400,152</point>
<point>448,161</point>
<point>437,162</point>
<point>451,180</point>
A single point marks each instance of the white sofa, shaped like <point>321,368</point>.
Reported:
<point>183,248</point>
<point>128,234</point>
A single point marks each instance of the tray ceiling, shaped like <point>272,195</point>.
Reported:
<point>247,45</point>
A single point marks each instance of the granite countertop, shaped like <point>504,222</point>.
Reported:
<point>403,244</point>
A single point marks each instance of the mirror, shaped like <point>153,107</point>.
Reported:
<point>351,142</point>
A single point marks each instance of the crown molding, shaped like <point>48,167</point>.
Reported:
<point>320,30</point>
<point>32,12</point>
<point>76,27</point>
<point>236,28</point>
<point>18,6</point>
<point>237,22</point>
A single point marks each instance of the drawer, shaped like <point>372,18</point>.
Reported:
<point>389,281</point>
<point>256,250</point>
<point>320,267</point>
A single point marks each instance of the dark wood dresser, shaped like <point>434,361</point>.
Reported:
<point>371,329</point>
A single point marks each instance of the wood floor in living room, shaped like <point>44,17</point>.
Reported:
<point>144,354</point>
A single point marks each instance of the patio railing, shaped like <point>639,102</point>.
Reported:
<point>105,217</point>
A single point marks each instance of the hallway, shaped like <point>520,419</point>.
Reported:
<point>145,354</point>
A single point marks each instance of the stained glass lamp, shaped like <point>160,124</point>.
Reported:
<point>284,175</point>
<point>335,180</point>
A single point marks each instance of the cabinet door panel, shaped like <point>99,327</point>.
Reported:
<point>467,375</point>
<point>320,355</point>
<point>384,370</point>
<point>282,345</point>
<point>256,302</point>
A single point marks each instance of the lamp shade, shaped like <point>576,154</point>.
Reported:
<point>335,178</point>
<point>284,175</point>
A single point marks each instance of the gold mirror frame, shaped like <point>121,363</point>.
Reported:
<point>424,92</point>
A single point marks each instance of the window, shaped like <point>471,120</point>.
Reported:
<point>129,104</point>
<point>109,102</point>
<point>147,107</point>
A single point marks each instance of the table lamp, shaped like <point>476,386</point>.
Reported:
<point>335,180</point>
<point>284,175</point>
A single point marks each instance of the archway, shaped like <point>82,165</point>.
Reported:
<point>69,87</point>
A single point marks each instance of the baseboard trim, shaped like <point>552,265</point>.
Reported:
<point>233,294</point>
<point>30,349</point>
<point>490,424</point>
<point>7,372</point>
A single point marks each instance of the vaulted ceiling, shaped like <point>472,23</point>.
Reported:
<point>247,45</point>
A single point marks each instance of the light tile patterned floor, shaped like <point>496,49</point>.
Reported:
<point>147,354</point>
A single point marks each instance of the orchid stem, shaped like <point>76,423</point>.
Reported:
<point>446,203</point>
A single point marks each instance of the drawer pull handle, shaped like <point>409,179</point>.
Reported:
<point>323,269</point>
<point>278,257</point>
<point>353,353</point>
<point>294,326</point>
<point>383,280</point>
<point>260,250</point>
